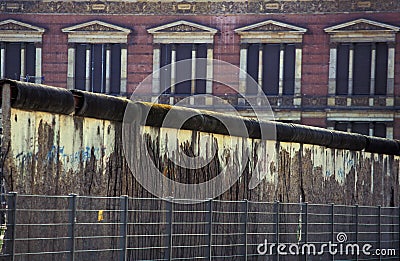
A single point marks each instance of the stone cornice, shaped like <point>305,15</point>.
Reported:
<point>134,7</point>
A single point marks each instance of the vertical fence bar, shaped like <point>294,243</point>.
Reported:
<point>333,226</point>
<point>399,231</point>
<point>244,229</point>
<point>12,220</point>
<point>169,217</point>
<point>305,225</point>
<point>209,206</point>
<point>124,227</point>
<point>380,229</point>
<point>357,220</point>
<point>71,228</point>
<point>276,205</point>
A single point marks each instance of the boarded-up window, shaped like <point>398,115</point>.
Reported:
<point>342,69</point>
<point>341,126</point>
<point>270,68</point>
<point>362,69</point>
<point>381,67</point>
<point>96,80</point>
<point>360,127</point>
<point>183,73</point>
<point>380,129</point>
<point>80,66</point>
<point>115,80</point>
<point>201,69</point>
<point>288,72</point>
<point>13,61</point>
<point>271,54</point>
<point>252,68</point>
<point>30,56</point>
<point>165,72</point>
<point>184,69</point>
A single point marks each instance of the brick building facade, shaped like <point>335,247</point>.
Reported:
<point>333,63</point>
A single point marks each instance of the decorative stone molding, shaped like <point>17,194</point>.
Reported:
<point>16,31</point>
<point>166,7</point>
<point>182,32</point>
<point>271,31</point>
<point>362,30</point>
<point>96,32</point>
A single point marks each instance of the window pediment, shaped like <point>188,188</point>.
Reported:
<point>362,30</point>
<point>271,31</point>
<point>17,31</point>
<point>183,32</point>
<point>96,32</point>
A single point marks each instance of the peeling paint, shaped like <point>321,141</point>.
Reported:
<point>59,154</point>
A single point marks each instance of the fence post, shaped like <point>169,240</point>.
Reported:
<point>276,205</point>
<point>305,225</point>
<point>169,217</point>
<point>244,221</point>
<point>124,227</point>
<point>379,229</point>
<point>333,226</point>
<point>357,239</point>
<point>209,228</point>
<point>12,220</point>
<point>71,229</point>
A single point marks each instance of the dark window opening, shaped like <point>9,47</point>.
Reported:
<point>289,68</point>
<point>183,73</point>
<point>381,68</point>
<point>342,69</point>
<point>252,69</point>
<point>13,61</point>
<point>271,58</point>
<point>362,69</point>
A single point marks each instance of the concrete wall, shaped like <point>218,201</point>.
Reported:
<point>57,154</point>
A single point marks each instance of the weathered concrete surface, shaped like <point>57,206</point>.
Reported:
<point>58,154</point>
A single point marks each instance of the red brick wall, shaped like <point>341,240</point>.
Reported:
<point>315,47</point>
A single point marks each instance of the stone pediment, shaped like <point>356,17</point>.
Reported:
<point>13,25</point>
<point>182,27</point>
<point>271,31</point>
<point>96,26</point>
<point>270,26</point>
<point>17,31</point>
<point>361,25</point>
<point>182,32</point>
<point>362,30</point>
<point>96,32</point>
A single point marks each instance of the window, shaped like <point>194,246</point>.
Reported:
<point>268,74</point>
<point>21,51</point>
<point>271,54</point>
<point>182,52</point>
<point>97,57</point>
<point>91,62</point>
<point>360,57</point>
<point>378,129</point>
<point>177,41</point>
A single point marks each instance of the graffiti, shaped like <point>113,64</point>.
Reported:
<point>58,153</point>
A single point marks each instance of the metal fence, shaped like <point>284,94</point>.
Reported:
<point>123,228</point>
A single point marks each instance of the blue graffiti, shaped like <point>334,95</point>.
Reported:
<point>58,153</point>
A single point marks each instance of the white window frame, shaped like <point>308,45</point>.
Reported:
<point>97,32</point>
<point>181,32</point>
<point>361,31</point>
<point>272,31</point>
<point>19,32</point>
